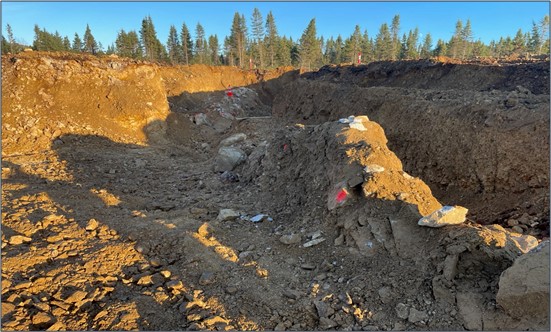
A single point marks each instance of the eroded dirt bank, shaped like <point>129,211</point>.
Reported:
<point>118,217</point>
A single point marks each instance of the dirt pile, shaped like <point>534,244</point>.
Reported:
<point>128,219</point>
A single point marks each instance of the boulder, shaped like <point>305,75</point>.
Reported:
<point>228,158</point>
<point>524,287</point>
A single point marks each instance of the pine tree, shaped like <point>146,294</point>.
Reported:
<point>200,43</point>
<point>11,39</point>
<point>258,35</point>
<point>238,38</point>
<point>427,45</point>
<point>90,44</point>
<point>466,39</point>
<point>456,42</point>
<point>518,43</point>
<point>213,50</point>
<point>394,31</point>
<point>187,44</point>
<point>66,44</point>
<point>543,32</point>
<point>152,48</point>
<point>77,44</point>
<point>271,39</point>
<point>535,39</point>
<point>355,44</point>
<point>383,43</point>
<point>309,49</point>
<point>403,48</point>
<point>440,49</point>
<point>339,48</point>
<point>173,46</point>
<point>412,41</point>
<point>367,47</point>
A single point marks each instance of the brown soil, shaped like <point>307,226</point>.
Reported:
<point>110,201</point>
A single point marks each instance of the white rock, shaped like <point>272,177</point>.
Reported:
<point>373,168</point>
<point>290,239</point>
<point>447,215</point>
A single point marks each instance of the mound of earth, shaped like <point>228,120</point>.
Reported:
<point>269,209</point>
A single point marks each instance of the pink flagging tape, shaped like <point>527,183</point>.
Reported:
<point>341,196</point>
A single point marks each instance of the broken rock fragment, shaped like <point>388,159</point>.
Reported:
<point>447,215</point>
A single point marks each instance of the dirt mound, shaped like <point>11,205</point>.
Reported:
<point>126,218</point>
<point>437,75</point>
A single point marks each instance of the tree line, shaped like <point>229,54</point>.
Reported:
<point>259,44</point>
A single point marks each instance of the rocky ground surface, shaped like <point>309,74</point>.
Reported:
<point>143,197</point>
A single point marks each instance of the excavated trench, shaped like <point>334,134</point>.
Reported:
<point>481,143</point>
<point>476,134</point>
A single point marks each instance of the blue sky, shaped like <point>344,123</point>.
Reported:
<point>490,20</point>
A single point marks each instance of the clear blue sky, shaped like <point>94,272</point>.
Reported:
<point>490,20</point>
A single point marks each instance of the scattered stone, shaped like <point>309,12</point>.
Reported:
<point>7,310</point>
<point>6,284</point>
<point>43,320</point>
<point>227,214</point>
<point>201,119</point>
<point>290,239</point>
<point>76,297</point>
<point>92,225</point>
<point>19,239</point>
<point>145,280</point>
<point>229,176</point>
<point>326,323</point>
<point>292,294</point>
<point>313,242</point>
<point>416,316</point>
<point>166,273</point>
<point>524,243</point>
<point>206,278</point>
<point>517,229</point>
<point>280,327</point>
<point>524,287</point>
<point>231,290</point>
<point>194,317</point>
<point>308,266</point>
<point>233,139</point>
<point>155,262</point>
<point>175,284</point>
<point>228,158</point>
<point>511,102</point>
<point>385,294</point>
<point>470,307</point>
<point>450,266</point>
<point>512,222</point>
<point>402,311</point>
<point>447,215</point>
<point>339,240</point>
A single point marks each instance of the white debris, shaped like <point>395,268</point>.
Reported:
<point>355,122</point>
<point>313,242</point>
<point>260,217</point>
